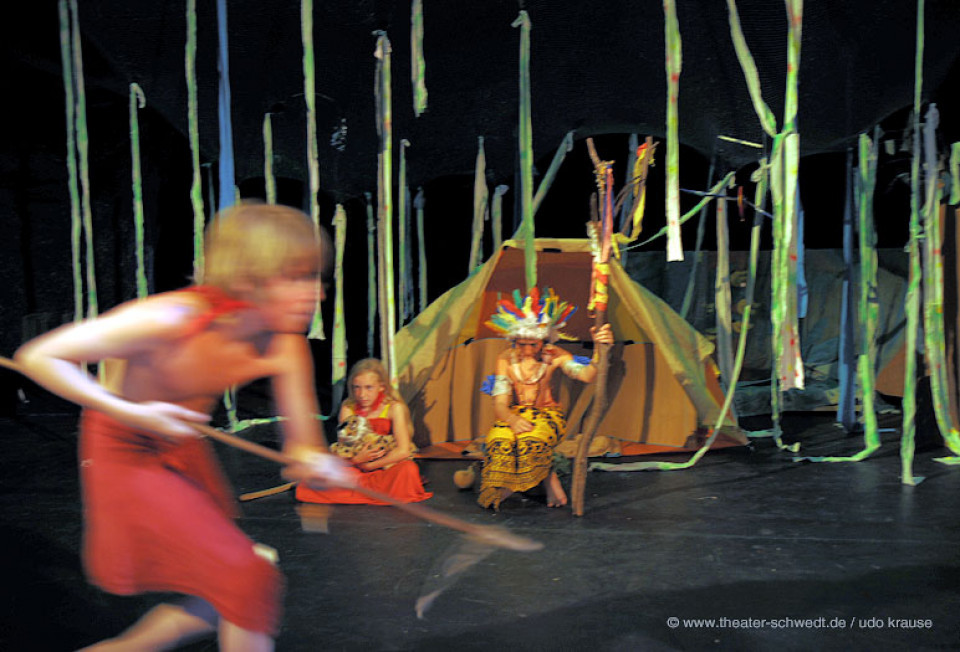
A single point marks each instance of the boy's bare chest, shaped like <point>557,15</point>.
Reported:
<point>202,366</point>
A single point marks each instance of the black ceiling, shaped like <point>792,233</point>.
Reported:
<point>596,67</point>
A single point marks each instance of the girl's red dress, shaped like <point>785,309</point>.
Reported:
<point>401,481</point>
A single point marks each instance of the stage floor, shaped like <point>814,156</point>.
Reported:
<point>794,556</point>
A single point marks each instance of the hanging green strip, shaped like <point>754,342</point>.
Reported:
<point>792,373</point>
<point>313,156</point>
<point>566,146</point>
<point>339,371</point>
<point>698,248</point>
<point>934,339</point>
<point>83,149</point>
<point>912,305</point>
<point>707,198</point>
<point>955,174</point>
<point>417,65</point>
<point>721,294</point>
<point>480,197</point>
<point>846,401</point>
<point>269,180</point>
<point>749,67</point>
<point>418,204</point>
<point>371,274</point>
<point>496,216</point>
<point>525,131</point>
<point>869,307</point>
<point>674,56</point>
<point>788,365</point>
<point>626,203</point>
<point>196,186</point>
<point>777,273</point>
<point>388,313</point>
<point>72,182</point>
<point>403,241</point>
<point>761,179</point>
<point>230,405</point>
<point>137,101</point>
<point>409,309</point>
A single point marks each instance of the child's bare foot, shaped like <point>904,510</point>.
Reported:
<point>556,496</point>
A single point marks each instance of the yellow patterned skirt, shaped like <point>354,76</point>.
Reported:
<point>520,462</point>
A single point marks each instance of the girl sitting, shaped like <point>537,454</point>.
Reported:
<point>376,436</point>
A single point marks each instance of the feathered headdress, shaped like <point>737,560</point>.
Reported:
<point>538,316</point>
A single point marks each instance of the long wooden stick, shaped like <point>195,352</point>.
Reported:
<point>489,534</point>
<point>579,481</point>
<point>493,535</point>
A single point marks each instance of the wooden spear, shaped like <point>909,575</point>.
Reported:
<point>492,535</point>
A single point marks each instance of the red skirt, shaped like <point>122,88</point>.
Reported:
<point>158,516</point>
<point>401,482</point>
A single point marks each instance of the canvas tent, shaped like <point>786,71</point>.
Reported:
<point>663,387</point>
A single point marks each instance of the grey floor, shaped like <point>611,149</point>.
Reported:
<point>854,559</point>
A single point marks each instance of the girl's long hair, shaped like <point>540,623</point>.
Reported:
<point>371,366</point>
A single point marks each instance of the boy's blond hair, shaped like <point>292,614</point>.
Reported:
<point>248,244</point>
<point>374,366</point>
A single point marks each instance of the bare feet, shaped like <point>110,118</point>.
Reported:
<point>556,496</point>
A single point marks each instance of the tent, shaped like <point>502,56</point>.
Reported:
<point>663,387</point>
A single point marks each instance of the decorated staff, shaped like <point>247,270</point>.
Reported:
<point>600,235</point>
<point>518,451</point>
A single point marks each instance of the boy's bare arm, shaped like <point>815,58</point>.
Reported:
<point>296,396</point>
<point>54,359</point>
